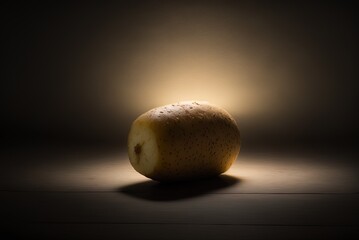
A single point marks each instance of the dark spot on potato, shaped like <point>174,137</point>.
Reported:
<point>138,149</point>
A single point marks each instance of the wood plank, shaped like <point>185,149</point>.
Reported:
<point>72,171</point>
<point>75,194</point>
<point>277,209</point>
<point>180,232</point>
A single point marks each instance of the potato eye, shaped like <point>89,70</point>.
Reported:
<point>138,148</point>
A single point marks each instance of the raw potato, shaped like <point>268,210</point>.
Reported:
<point>183,141</point>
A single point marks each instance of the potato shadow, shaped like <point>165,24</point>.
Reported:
<point>156,191</point>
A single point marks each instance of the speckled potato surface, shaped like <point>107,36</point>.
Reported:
<point>183,141</point>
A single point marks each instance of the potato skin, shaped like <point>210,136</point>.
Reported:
<point>194,139</point>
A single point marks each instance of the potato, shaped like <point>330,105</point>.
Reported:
<point>183,141</point>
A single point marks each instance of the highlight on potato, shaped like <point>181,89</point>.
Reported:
<point>183,141</point>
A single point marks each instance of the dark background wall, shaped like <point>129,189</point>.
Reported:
<point>83,72</point>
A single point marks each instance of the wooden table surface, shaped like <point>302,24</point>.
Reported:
<point>56,193</point>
